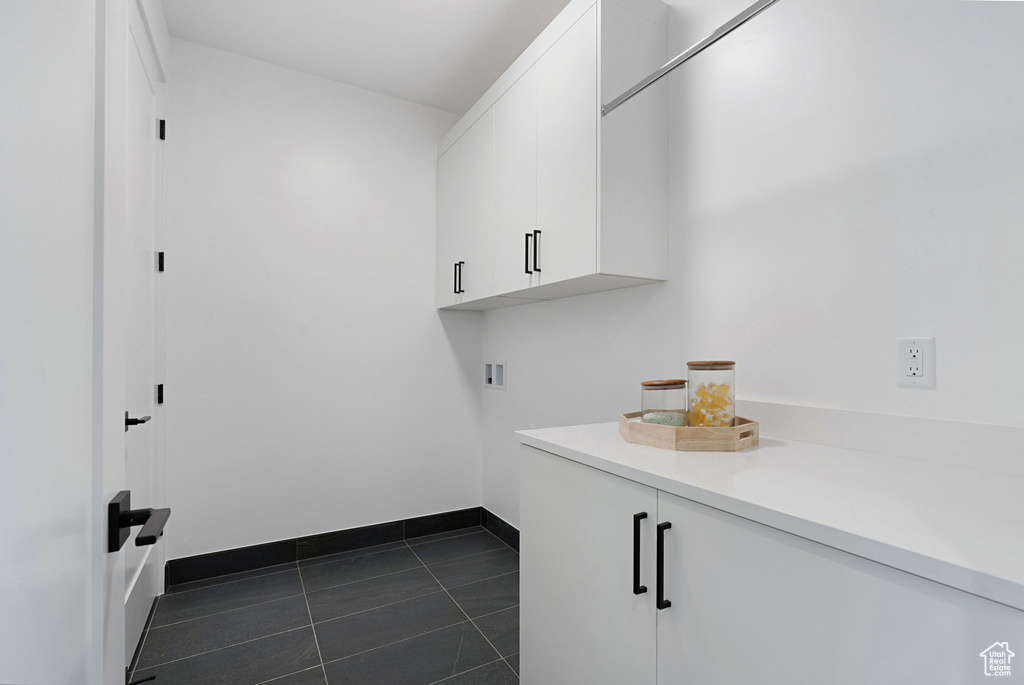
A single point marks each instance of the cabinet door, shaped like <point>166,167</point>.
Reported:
<point>477,195</point>
<point>580,621</point>
<point>465,216</point>
<point>450,223</point>
<point>515,185</point>
<point>567,112</point>
<point>751,604</point>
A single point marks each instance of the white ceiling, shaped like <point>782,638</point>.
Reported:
<point>440,53</point>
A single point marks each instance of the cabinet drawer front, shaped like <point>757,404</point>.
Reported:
<point>752,604</point>
<point>580,619</point>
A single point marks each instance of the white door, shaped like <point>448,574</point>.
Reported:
<point>53,560</point>
<point>751,604</point>
<point>143,565</point>
<point>567,112</point>
<point>515,185</point>
<point>581,619</point>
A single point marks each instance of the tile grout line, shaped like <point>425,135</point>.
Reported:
<point>316,641</point>
<point>475,668</point>
<point>225,611</point>
<point>412,568</point>
<point>363,580</point>
<point>211,651</point>
<point>287,675</point>
<point>460,607</point>
<point>468,556</point>
<point>404,639</point>
<point>322,559</point>
<point>382,606</point>
<point>484,580</point>
<point>497,612</point>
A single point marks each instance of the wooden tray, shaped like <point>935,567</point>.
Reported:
<point>733,438</point>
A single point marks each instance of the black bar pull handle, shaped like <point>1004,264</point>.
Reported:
<point>638,589</point>
<point>460,290</point>
<point>528,236</point>
<point>455,279</point>
<point>536,251</point>
<point>662,602</point>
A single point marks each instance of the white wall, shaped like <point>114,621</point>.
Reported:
<point>312,385</point>
<point>841,174</point>
<point>51,568</point>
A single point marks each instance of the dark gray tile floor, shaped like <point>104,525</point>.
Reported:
<point>438,609</point>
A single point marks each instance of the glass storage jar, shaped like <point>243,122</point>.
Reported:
<point>712,393</point>
<point>663,402</point>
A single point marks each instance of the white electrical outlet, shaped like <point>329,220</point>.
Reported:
<point>915,363</point>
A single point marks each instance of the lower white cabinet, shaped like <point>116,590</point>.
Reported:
<point>747,603</point>
<point>580,622</point>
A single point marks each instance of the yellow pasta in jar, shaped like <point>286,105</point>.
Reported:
<point>711,405</point>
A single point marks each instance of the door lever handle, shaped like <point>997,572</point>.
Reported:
<point>129,422</point>
<point>121,518</point>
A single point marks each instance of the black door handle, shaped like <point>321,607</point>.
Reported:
<point>662,602</point>
<point>528,236</point>
<point>153,522</point>
<point>129,422</point>
<point>638,589</point>
<point>460,290</point>
<point>536,251</point>
<point>455,279</point>
<point>121,518</point>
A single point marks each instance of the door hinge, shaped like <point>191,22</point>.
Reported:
<point>160,393</point>
<point>160,261</point>
<point>163,129</point>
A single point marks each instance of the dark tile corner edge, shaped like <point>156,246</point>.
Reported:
<point>443,522</point>
<point>502,529</point>
<point>203,566</point>
<point>346,540</point>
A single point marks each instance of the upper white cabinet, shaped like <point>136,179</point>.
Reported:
<point>515,185</point>
<point>567,154</point>
<point>465,207</point>
<point>578,202</point>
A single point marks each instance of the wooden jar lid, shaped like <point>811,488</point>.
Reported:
<point>664,384</point>
<point>712,364</point>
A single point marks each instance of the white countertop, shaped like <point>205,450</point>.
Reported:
<point>956,526</point>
